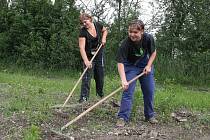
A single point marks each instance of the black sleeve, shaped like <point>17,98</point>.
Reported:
<point>151,44</point>
<point>82,32</point>
<point>122,53</point>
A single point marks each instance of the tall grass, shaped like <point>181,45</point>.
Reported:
<point>189,71</point>
<point>174,96</point>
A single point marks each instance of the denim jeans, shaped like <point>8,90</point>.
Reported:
<point>147,86</point>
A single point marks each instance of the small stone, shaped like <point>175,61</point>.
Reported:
<point>173,115</point>
<point>116,134</point>
<point>82,129</point>
<point>71,138</point>
<point>153,134</point>
<point>144,134</point>
<point>126,134</point>
<point>183,120</point>
<point>180,119</point>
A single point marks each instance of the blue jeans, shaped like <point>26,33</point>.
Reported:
<point>147,87</point>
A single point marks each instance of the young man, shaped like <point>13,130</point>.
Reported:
<point>136,55</point>
<point>91,36</point>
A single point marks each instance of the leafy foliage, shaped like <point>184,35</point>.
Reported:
<point>39,34</point>
<point>183,41</point>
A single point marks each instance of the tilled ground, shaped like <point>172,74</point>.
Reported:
<point>182,125</point>
<point>99,124</point>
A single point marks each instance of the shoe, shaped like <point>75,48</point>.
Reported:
<point>83,99</point>
<point>120,122</point>
<point>152,120</point>
<point>101,95</point>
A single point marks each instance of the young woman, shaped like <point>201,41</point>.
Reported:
<point>92,34</point>
<point>136,55</point>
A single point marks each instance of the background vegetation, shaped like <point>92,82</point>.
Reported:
<point>39,34</point>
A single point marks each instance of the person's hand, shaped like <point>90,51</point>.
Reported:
<point>88,64</point>
<point>103,42</point>
<point>125,85</point>
<point>147,69</point>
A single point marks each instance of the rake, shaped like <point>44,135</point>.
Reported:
<point>99,102</point>
<point>70,94</point>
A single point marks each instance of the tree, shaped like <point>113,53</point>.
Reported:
<point>40,34</point>
<point>184,36</point>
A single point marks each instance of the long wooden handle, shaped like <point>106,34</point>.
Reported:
<point>99,102</point>
<point>67,99</point>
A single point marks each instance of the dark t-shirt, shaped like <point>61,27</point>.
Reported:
<point>91,42</point>
<point>132,52</point>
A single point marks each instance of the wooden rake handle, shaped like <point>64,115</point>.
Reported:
<point>99,102</point>
<point>67,99</point>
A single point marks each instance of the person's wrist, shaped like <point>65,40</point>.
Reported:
<point>124,82</point>
<point>86,61</point>
<point>147,65</point>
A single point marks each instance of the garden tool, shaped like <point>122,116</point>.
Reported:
<point>81,76</point>
<point>99,102</point>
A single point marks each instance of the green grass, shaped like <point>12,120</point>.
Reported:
<point>34,93</point>
<point>33,133</point>
<point>176,96</point>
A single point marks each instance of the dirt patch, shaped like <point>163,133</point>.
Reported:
<point>94,126</point>
<point>12,127</point>
<point>144,132</point>
<point>99,124</point>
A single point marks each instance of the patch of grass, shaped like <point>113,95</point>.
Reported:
<point>33,133</point>
<point>205,119</point>
<point>170,97</point>
<point>33,95</point>
<point>174,96</point>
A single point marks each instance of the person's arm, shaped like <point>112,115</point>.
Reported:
<point>83,53</point>
<point>148,67</point>
<point>104,35</point>
<point>121,71</point>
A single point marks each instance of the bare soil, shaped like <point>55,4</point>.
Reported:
<point>181,125</point>
<point>99,124</point>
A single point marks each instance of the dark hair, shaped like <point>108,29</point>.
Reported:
<point>138,24</point>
